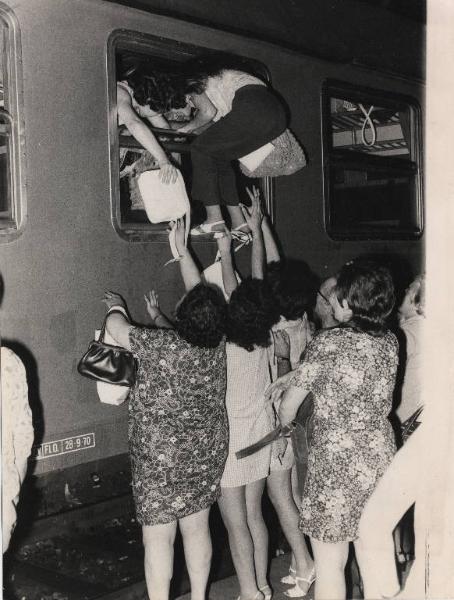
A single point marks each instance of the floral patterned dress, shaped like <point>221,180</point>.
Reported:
<point>178,428</point>
<point>351,375</point>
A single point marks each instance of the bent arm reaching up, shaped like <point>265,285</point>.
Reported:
<point>189,271</point>
<point>228,272</point>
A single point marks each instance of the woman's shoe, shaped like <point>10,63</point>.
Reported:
<point>267,592</point>
<point>302,586</point>
<point>208,228</point>
<point>241,236</point>
<point>290,578</point>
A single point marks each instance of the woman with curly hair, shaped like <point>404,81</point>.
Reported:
<point>350,370</point>
<point>236,114</point>
<point>178,429</point>
<point>251,314</point>
<point>148,96</point>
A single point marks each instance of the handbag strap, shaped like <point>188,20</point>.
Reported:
<point>118,309</point>
<point>279,431</point>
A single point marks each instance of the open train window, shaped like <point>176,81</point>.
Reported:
<point>372,164</point>
<point>10,139</point>
<point>128,49</point>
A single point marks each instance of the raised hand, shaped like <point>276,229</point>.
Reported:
<point>152,303</point>
<point>112,299</point>
<point>168,173</point>
<point>253,215</point>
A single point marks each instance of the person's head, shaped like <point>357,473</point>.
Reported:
<point>251,313</point>
<point>159,91</point>
<point>414,300</point>
<point>323,310</point>
<point>201,316</point>
<point>364,296</point>
<point>294,288</point>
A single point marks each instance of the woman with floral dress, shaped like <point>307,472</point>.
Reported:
<point>350,371</point>
<point>178,428</point>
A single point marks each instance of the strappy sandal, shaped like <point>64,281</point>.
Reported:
<point>242,237</point>
<point>267,592</point>
<point>290,578</point>
<point>297,591</point>
<point>208,228</point>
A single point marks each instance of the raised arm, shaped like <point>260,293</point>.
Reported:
<point>143,134</point>
<point>253,217</point>
<point>228,272</point>
<point>206,111</point>
<point>269,240</point>
<point>157,316</point>
<point>189,270</point>
<point>117,324</point>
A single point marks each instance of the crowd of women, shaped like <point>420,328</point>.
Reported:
<point>204,392</point>
<point>240,365</point>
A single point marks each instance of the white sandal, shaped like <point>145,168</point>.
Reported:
<point>208,228</point>
<point>297,591</point>
<point>290,578</point>
<point>267,592</point>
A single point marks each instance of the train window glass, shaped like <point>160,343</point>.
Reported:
<point>128,50</point>
<point>10,138</point>
<point>372,164</point>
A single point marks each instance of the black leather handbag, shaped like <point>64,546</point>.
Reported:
<point>104,362</point>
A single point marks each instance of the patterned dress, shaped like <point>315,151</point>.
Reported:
<point>178,429</point>
<point>351,375</point>
<point>17,436</point>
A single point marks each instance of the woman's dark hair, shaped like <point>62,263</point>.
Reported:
<point>201,316</point>
<point>294,288</point>
<point>196,71</point>
<point>251,313</point>
<point>159,91</point>
<point>368,289</point>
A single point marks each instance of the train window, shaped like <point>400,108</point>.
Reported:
<point>372,164</point>
<point>128,50</point>
<point>10,139</point>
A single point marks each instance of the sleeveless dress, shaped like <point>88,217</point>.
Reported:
<point>247,379</point>
<point>178,429</point>
<point>351,375</point>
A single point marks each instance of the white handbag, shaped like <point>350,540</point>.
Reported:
<point>165,202</point>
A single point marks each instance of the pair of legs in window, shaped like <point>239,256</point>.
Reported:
<point>257,117</point>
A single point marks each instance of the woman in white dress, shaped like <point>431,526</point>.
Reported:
<point>251,314</point>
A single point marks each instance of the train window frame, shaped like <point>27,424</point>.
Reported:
<point>359,162</point>
<point>12,215</point>
<point>129,41</point>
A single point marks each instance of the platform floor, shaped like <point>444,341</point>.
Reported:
<point>228,589</point>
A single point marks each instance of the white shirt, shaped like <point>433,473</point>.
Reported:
<point>222,88</point>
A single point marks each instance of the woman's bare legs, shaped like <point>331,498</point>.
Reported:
<point>214,214</point>
<point>158,541</point>
<point>197,550</point>
<point>330,561</point>
<point>232,505</point>
<point>258,529</point>
<point>281,495</point>
<point>237,217</point>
